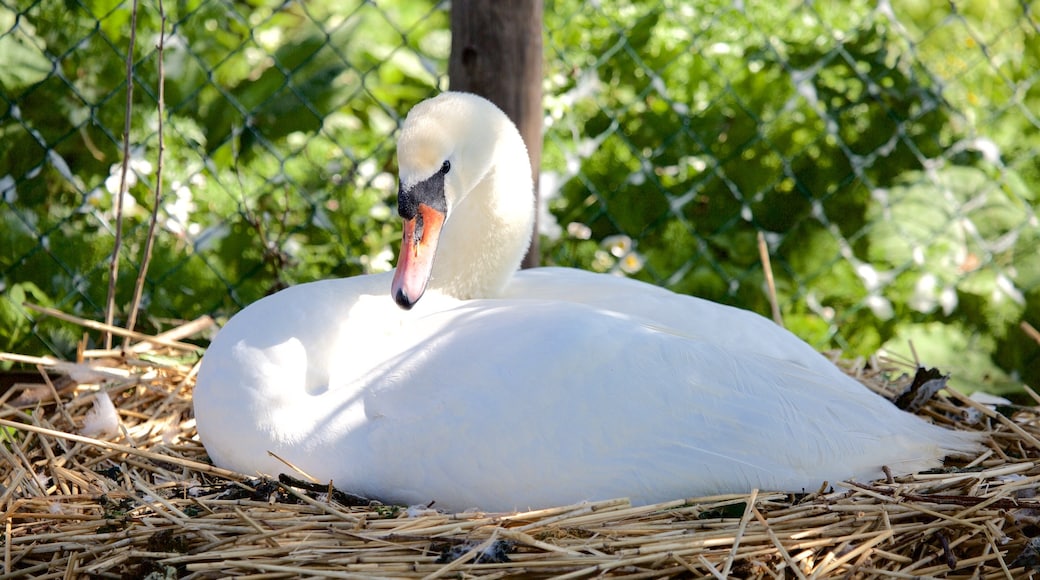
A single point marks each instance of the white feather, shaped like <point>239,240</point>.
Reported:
<point>101,420</point>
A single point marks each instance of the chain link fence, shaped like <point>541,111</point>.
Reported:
<point>888,154</point>
<point>278,149</point>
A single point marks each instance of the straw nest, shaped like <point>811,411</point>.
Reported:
<point>144,502</point>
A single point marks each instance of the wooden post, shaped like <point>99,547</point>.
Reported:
<point>496,52</point>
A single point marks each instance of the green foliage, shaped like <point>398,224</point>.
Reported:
<point>14,318</point>
<point>893,182</point>
<point>959,247</point>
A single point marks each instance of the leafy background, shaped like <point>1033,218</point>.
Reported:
<point>889,154</point>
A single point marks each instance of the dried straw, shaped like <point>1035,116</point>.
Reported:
<point>148,503</point>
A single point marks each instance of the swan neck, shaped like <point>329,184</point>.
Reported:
<point>488,232</point>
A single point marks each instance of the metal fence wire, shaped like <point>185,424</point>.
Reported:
<point>888,152</point>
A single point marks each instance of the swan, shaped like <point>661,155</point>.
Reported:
<point>458,380</point>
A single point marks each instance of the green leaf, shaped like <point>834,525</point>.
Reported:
<point>15,320</point>
<point>24,64</point>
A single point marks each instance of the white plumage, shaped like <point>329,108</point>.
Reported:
<point>502,390</point>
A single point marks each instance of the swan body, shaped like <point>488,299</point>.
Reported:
<point>504,390</point>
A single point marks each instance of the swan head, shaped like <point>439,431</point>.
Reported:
<point>465,197</point>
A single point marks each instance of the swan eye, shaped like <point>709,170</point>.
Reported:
<point>446,167</point>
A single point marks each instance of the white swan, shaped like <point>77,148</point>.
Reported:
<point>503,390</point>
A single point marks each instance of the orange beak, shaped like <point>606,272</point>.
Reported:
<point>415,263</point>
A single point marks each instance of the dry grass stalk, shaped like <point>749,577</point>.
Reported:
<point>124,167</point>
<point>767,268</point>
<point>135,303</point>
<point>148,501</point>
